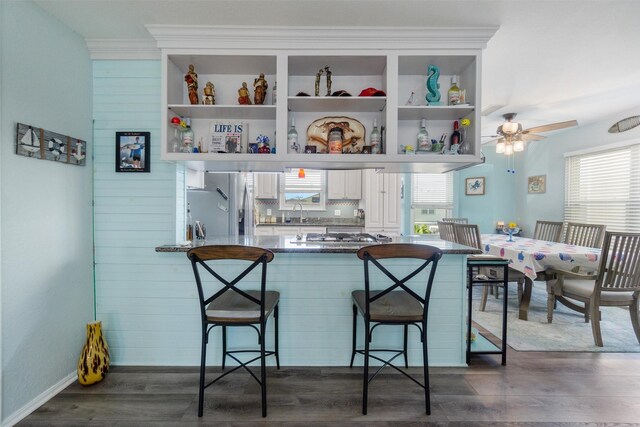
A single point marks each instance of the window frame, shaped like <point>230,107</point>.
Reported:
<point>284,206</point>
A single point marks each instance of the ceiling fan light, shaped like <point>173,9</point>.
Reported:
<point>509,128</point>
<point>518,146</point>
<point>508,149</point>
<point>500,147</point>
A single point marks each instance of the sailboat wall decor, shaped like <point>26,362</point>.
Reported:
<point>43,144</point>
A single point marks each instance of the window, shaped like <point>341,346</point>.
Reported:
<point>431,200</point>
<point>604,188</point>
<point>309,191</point>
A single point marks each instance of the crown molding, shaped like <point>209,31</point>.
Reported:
<point>242,37</point>
<point>129,49</point>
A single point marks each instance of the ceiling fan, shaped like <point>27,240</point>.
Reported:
<point>511,137</point>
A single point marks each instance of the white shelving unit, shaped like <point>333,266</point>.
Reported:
<point>393,60</point>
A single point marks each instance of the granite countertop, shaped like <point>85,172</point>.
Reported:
<point>289,244</point>
<point>321,222</point>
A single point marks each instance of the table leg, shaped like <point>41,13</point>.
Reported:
<point>526,299</point>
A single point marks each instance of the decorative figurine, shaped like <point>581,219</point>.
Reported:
<point>328,74</point>
<point>192,85</point>
<point>260,90</point>
<point>209,94</point>
<point>318,74</point>
<point>412,99</point>
<point>433,87</point>
<point>243,95</point>
<point>263,144</point>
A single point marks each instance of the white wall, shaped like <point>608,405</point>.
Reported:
<point>546,157</point>
<point>46,225</point>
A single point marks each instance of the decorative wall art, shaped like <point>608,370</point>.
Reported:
<point>354,134</point>
<point>133,151</point>
<point>537,184</point>
<point>43,144</point>
<point>474,186</point>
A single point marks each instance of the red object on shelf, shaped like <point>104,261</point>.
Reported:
<point>175,121</point>
<point>301,173</point>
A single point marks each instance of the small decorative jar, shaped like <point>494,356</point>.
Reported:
<point>335,141</point>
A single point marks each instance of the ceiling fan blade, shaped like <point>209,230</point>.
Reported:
<point>551,126</point>
<point>491,141</point>
<point>531,137</point>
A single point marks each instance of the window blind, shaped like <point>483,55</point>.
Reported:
<point>313,181</point>
<point>432,191</point>
<point>604,188</point>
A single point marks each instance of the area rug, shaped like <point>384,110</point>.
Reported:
<point>568,332</point>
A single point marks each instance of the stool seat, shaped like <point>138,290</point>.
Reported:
<point>232,307</point>
<point>396,306</point>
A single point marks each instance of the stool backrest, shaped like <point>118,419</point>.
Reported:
<point>549,231</point>
<point>589,235</point>
<point>468,235</point>
<point>200,257</point>
<point>371,254</point>
<point>445,229</point>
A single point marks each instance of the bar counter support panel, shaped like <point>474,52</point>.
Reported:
<point>150,312</point>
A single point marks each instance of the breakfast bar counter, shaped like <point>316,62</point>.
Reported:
<point>315,281</point>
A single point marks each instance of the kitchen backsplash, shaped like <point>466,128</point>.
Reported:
<point>346,208</point>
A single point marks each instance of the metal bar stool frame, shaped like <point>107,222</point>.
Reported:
<point>198,257</point>
<point>430,255</point>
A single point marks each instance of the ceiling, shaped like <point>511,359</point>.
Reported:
<point>550,61</point>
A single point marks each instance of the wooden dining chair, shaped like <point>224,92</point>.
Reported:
<point>617,283</point>
<point>589,235</point>
<point>397,304</point>
<point>469,235</point>
<point>446,231</point>
<point>231,306</point>
<point>549,231</point>
<point>456,220</point>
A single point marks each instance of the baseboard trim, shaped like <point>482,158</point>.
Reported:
<point>27,409</point>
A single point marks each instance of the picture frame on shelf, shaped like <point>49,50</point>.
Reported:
<point>474,186</point>
<point>537,184</point>
<point>133,152</point>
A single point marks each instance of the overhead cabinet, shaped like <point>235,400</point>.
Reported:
<point>266,186</point>
<point>344,185</point>
<point>382,202</point>
<point>390,63</point>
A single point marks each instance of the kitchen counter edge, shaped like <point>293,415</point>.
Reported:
<point>285,244</point>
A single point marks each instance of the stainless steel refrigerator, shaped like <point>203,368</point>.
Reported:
<point>224,206</point>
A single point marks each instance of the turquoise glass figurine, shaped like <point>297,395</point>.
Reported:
<point>433,87</point>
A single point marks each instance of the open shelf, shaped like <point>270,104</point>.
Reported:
<point>237,112</point>
<point>359,104</point>
<point>432,112</point>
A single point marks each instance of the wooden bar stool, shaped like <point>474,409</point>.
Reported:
<point>231,306</point>
<point>394,307</point>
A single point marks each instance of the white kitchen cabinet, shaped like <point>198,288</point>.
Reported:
<point>344,184</point>
<point>393,60</point>
<point>290,230</point>
<point>266,186</point>
<point>382,202</point>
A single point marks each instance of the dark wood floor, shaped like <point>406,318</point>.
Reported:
<point>534,389</point>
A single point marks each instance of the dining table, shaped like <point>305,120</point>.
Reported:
<point>532,257</point>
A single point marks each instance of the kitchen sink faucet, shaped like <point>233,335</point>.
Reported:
<point>301,209</point>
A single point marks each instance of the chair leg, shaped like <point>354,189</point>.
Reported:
<point>551,303</point>
<point>224,345</point>
<point>425,360</point>
<point>633,310</point>
<point>263,371</point>
<point>353,341</point>
<point>483,301</point>
<point>586,312</point>
<point>496,292</point>
<point>595,325</point>
<point>365,376</point>
<point>520,289</point>
<point>203,359</point>
<point>275,321</point>
<point>404,349</point>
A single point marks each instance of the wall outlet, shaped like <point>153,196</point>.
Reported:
<point>268,211</point>
<point>355,212</point>
<point>337,212</point>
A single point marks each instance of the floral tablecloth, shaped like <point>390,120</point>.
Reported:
<point>530,256</point>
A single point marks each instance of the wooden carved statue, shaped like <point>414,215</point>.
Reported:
<point>192,85</point>
<point>209,94</point>
<point>243,95</point>
<point>260,90</point>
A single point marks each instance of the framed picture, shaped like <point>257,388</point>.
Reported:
<point>474,186</point>
<point>537,184</point>
<point>133,151</point>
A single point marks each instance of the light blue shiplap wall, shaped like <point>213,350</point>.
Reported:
<point>134,213</point>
